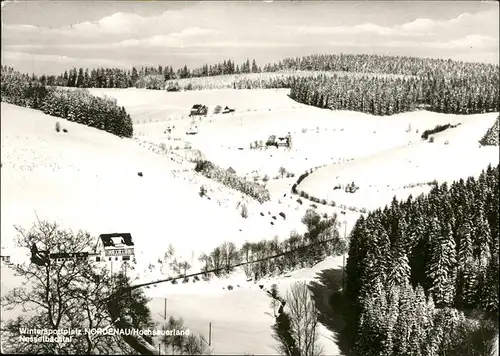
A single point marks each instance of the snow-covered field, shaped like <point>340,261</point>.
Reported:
<point>88,179</point>
<point>454,154</point>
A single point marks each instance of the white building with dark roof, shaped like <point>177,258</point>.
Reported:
<point>5,255</point>
<point>114,247</point>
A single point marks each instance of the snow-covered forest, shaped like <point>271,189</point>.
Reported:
<point>423,273</point>
<point>75,105</point>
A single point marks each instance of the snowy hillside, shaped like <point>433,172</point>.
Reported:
<point>88,179</point>
<point>407,169</point>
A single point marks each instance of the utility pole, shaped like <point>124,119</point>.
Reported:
<point>343,258</point>
<point>165,310</point>
<point>210,334</point>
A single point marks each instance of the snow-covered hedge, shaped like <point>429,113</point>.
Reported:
<point>252,189</point>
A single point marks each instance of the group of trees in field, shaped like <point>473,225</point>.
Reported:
<point>252,189</point>
<point>261,80</point>
<point>456,91</point>
<point>422,275</point>
<point>492,135</point>
<point>145,76</point>
<point>296,325</point>
<point>438,128</point>
<point>378,64</point>
<point>184,344</point>
<point>274,257</point>
<point>74,105</point>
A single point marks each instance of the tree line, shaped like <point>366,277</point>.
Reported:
<point>138,76</point>
<point>74,105</point>
<point>381,64</point>
<point>379,85</point>
<point>423,273</point>
<point>274,257</point>
<point>353,63</point>
<point>452,92</point>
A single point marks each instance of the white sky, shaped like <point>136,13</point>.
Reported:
<point>50,37</point>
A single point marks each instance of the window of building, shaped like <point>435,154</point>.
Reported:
<point>110,258</point>
<point>98,259</point>
<point>126,258</point>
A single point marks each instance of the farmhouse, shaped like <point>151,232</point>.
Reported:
<point>5,256</point>
<point>198,110</point>
<point>114,247</point>
<point>231,170</point>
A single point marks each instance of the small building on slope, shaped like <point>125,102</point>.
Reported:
<point>115,247</point>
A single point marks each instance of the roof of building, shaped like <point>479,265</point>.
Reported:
<point>231,170</point>
<point>108,240</point>
<point>69,255</point>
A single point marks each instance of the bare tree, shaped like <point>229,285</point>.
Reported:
<point>304,319</point>
<point>66,294</point>
<point>173,337</point>
<point>184,266</point>
<point>170,339</point>
<point>206,259</point>
<point>170,252</point>
<point>282,328</point>
<point>217,260</point>
<point>195,345</point>
<point>275,302</point>
<point>176,340</point>
<point>245,256</point>
<point>282,171</point>
<point>231,256</point>
<point>175,266</point>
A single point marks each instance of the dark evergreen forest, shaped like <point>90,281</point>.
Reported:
<point>422,275</point>
<point>74,105</point>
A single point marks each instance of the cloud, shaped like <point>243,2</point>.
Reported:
<point>126,23</point>
<point>486,21</point>
<point>344,30</point>
<point>54,64</point>
<point>187,38</point>
<point>183,38</point>
<point>477,42</point>
<point>117,27</point>
<point>211,32</point>
<point>9,55</point>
